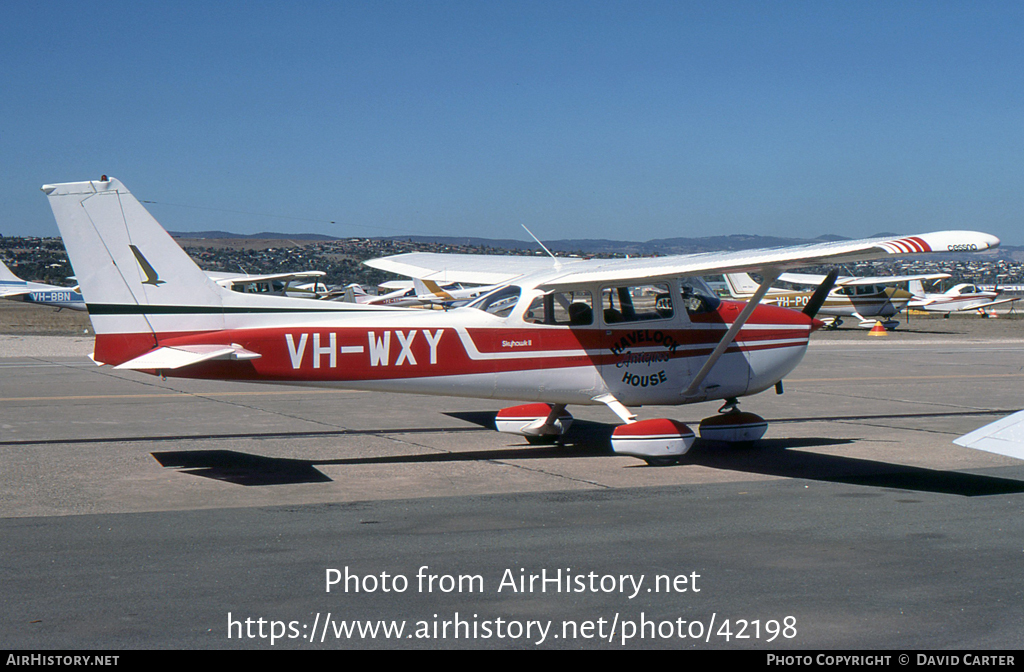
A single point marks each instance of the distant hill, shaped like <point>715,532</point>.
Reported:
<point>585,245</point>
<point>222,235</point>
<point>572,246</point>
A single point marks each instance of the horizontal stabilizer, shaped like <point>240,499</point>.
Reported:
<point>179,356</point>
<point>1003,437</point>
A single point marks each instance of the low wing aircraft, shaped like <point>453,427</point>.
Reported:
<point>866,299</point>
<point>304,284</point>
<point>14,288</point>
<point>621,332</point>
<point>354,293</point>
<point>960,298</point>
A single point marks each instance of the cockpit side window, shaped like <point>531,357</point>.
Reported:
<point>636,303</point>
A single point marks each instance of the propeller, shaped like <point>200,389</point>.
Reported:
<point>821,293</point>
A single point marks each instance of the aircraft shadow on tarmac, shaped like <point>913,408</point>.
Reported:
<point>770,457</point>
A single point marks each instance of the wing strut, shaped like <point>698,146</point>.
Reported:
<point>770,275</point>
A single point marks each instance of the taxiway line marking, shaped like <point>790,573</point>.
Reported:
<point>82,397</point>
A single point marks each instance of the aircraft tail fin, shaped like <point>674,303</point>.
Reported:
<point>141,289</point>
<point>916,287</point>
<point>353,292</point>
<point>429,288</point>
<point>127,265</point>
<point>138,284</point>
<point>740,285</point>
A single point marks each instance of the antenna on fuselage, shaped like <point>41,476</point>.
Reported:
<point>558,263</point>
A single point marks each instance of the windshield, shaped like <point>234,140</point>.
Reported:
<point>698,297</point>
<point>500,302</point>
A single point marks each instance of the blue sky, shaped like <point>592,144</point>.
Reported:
<point>622,120</point>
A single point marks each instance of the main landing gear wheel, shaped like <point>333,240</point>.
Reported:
<point>732,425</point>
<point>659,442</point>
<point>549,440</point>
<point>661,461</point>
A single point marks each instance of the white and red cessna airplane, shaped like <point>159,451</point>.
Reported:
<point>961,298</point>
<point>623,332</point>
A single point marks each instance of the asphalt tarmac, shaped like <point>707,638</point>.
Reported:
<point>137,512</point>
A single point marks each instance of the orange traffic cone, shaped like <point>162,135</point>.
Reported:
<point>878,330</point>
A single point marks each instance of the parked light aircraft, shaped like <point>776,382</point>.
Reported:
<point>421,293</point>
<point>866,299</point>
<point>622,332</point>
<point>958,299</point>
<point>304,284</point>
<point>354,293</point>
<point>14,288</point>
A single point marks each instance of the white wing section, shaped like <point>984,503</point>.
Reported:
<point>1003,437</point>
<point>495,269</point>
<point>778,258</point>
<point>812,279</point>
<point>179,356</point>
<point>475,269</point>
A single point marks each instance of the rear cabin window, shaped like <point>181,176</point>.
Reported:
<point>861,290</point>
<point>636,303</point>
<point>574,309</point>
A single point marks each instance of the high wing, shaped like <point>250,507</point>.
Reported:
<point>475,269</point>
<point>564,272</point>
<point>1003,437</point>
<point>814,279</point>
